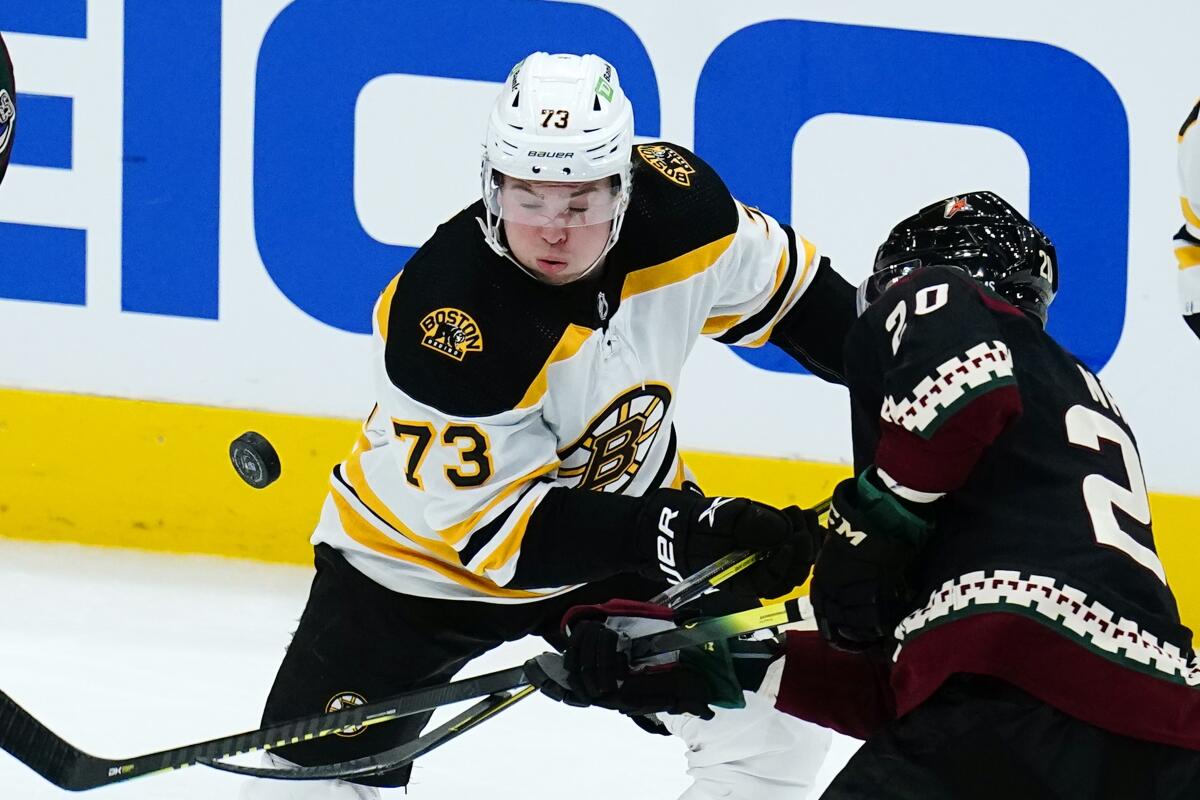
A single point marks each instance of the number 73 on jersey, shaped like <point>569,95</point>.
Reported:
<point>474,465</point>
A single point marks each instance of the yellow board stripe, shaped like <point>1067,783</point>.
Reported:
<point>568,345</point>
<point>156,476</point>
<point>677,269</point>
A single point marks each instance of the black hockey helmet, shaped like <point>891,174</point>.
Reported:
<point>980,234</point>
<point>8,108</point>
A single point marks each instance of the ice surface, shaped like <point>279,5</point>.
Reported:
<point>124,653</point>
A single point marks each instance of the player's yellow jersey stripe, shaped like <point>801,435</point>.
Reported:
<point>369,536</point>
<point>677,269</point>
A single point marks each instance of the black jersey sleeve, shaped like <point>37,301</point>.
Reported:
<point>814,331</point>
<point>929,360</point>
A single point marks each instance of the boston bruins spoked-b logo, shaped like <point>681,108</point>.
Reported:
<point>451,332</point>
<point>611,451</point>
<point>340,702</point>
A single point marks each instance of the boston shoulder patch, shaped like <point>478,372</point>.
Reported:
<point>451,332</point>
<point>668,162</point>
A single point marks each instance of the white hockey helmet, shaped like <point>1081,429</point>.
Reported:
<point>562,119</point>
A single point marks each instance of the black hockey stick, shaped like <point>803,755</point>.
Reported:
<point>68,767</point>
<point>678,595</point>
<point>690,635</point>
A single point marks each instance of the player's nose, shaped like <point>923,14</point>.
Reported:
<point>553,234</point>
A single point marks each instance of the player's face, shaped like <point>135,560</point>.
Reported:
<point>557,231</point>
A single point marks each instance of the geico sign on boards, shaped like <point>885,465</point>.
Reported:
<point>1061,111</point>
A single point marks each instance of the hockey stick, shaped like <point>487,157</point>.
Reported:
<point>678,595</point>
<point>70,768</point>
<point>690,635</point>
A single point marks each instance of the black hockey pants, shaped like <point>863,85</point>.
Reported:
<point>356,636</point>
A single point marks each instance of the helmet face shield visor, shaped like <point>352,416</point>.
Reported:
<point>551,204</point>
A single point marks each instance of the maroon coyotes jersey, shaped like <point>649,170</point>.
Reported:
<point>1042,569</point>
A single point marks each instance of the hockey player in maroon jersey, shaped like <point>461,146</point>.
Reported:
<point>8,108</point>
<point>993,618</point>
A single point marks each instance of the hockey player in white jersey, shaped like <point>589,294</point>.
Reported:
<point>1187,240</point>
<point>521,457</point>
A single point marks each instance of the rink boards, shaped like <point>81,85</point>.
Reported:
<point>157,476</point>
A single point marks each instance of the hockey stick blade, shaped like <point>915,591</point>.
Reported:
<point>68,767</point>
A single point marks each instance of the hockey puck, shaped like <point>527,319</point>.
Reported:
<point>255,459</point>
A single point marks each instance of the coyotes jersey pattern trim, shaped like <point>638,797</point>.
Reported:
<point>986,366</point>
<point>1066,609</point>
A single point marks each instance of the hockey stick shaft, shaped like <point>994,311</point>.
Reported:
<point>68,767</point>
<point>682,593</point>
<point>726,627</point>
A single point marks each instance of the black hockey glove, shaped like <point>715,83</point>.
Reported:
<point>596,668</point>
<point>682,532</point>
<point>858,589</point>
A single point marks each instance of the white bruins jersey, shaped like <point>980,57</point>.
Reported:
<point>493,388</point>
<point>1187,241</point>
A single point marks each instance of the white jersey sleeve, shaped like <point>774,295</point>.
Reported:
<point>764,271</point>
